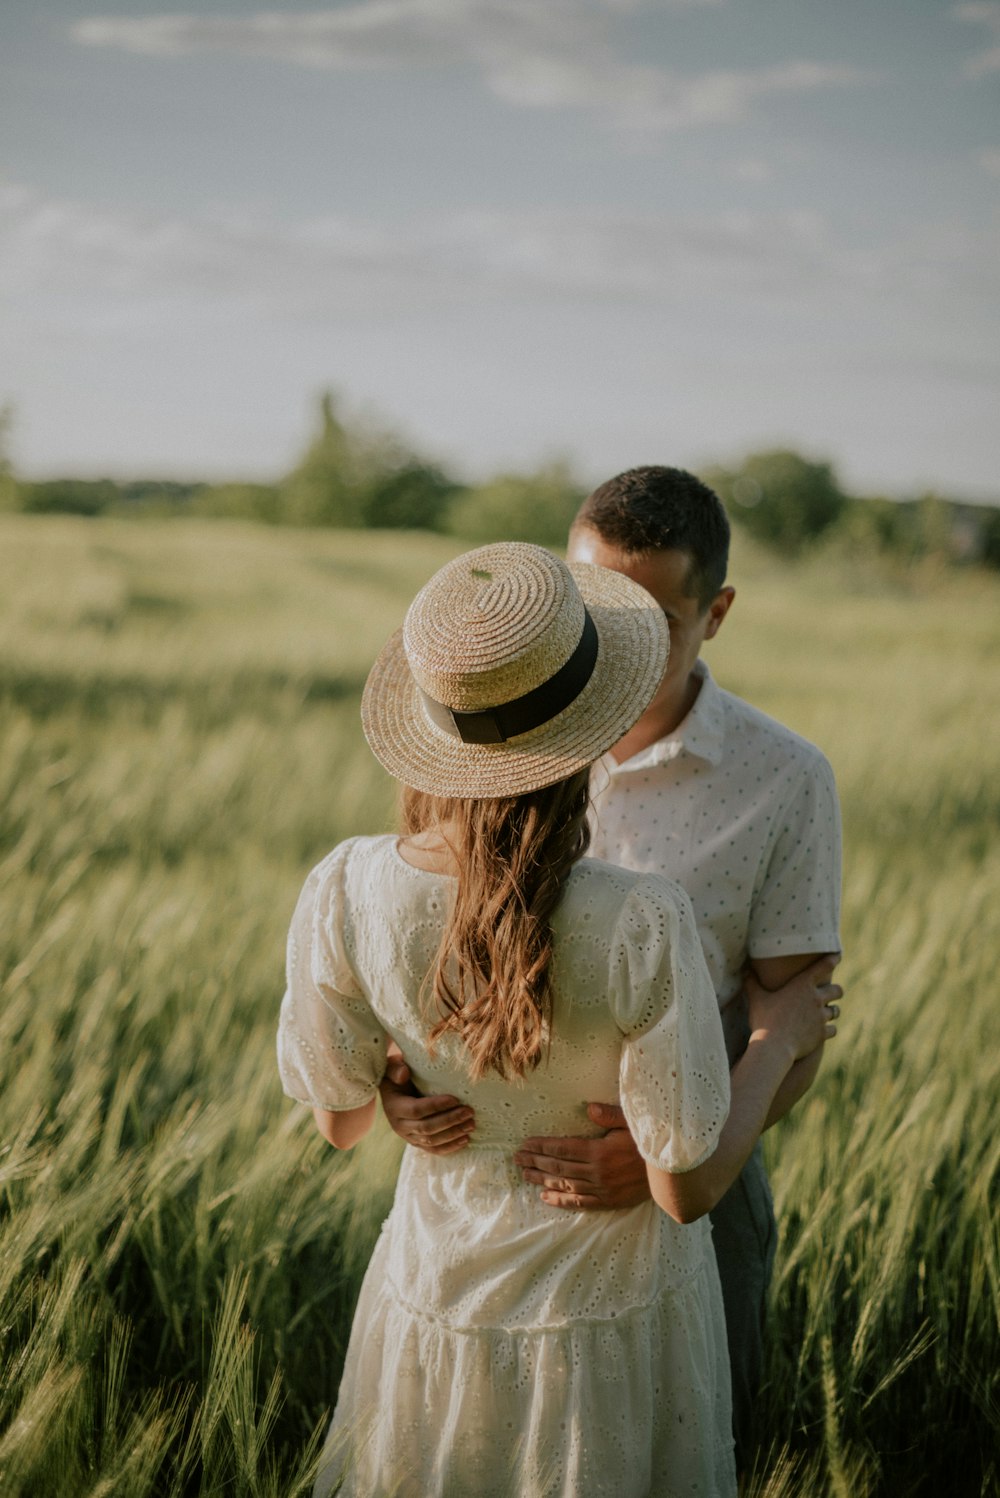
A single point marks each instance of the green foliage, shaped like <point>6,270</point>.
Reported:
<point>146,498</point>
<point>237,501</point>
<point>357,476</point>
<point>896,540</point>
<point>327,486</point>
<point>990,542</point>
<point>535,507</point>
<point>8,484</point>
<point>180,1252</point>
<point>780,498</point>
<point>155,497</point>
<point>67,497</point>
<point>413,495</point>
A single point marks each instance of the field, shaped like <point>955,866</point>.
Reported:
<point>180,1252</point>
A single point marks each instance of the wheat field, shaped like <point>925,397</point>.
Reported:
<point>180,1252</point>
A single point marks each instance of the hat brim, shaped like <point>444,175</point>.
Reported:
<point>633,644</point>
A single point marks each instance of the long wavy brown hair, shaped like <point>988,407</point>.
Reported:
<point>491,979</point>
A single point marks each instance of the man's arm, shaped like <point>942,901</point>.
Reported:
<point>773,973</point>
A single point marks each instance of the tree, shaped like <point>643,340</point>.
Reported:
<point>990,538</point>
<point>781,498</point>
<point>8,483</point>
<point>325,488</point>
<point>68,497</point>
<point>363,475</point>
<point>535,507</point>
<point>414,495</point>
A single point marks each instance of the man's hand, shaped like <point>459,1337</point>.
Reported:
<point>440,1125</point>
<point>588,1174</point>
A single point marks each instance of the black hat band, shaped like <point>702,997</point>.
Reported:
<point>495,725</point>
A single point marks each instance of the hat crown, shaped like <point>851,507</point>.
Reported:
<point>492,625</point>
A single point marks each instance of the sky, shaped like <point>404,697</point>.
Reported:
<point>608,231</point>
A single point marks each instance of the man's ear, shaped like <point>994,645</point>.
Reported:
<point>717,611</point>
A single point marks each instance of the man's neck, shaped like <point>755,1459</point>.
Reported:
<point>659,720</point>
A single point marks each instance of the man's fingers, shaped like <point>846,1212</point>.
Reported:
<point>570,1185</point>
<point>571,1201</point>
<point>397,1072</point>
<point>419,1109</point>
<point>460,1132</point>
<point>608,1115</point>
<point>555,1165</point>
<point>580,1150</point>
<point>448,1146</point>
<point>440,1128</point>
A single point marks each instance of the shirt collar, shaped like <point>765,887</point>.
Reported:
<point>701,734</point>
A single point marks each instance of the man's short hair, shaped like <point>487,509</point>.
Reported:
<point>663,509</point>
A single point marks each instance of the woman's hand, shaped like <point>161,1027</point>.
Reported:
<point>801,1015</point>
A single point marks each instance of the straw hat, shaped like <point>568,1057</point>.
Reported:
<point>512,671</point>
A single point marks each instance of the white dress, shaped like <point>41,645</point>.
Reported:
<point>501,1346</point>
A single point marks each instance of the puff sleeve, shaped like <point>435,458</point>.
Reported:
<point>331,1048</point>
<point>674,1073</point>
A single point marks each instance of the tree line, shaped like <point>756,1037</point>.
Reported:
<point>354,474</point>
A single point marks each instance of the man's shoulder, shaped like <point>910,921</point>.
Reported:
<point>748,729</point>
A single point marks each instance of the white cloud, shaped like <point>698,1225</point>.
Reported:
<point>983,13</point>
<point>540,54</point>
<point>186,344</point>
<point>752,169</point>
<point>78,264</point>
<point>328,266</point>
<point>989,160</point>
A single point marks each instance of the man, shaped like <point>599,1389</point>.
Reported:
<point>743,813</point>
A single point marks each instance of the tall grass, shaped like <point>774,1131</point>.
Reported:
<point>179,1255</point>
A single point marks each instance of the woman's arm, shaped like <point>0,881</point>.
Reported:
<point>344,1128</point>
<point>782,1034</point>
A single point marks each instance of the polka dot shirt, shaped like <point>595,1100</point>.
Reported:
<point>743,813</point>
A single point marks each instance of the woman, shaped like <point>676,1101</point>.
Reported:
<point>502,1346</point>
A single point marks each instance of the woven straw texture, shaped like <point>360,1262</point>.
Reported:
<point>489,627</point>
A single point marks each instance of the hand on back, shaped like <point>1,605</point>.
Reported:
<point>578,1174</point>
<point>608,1173</point>
<point>588,1174</point>
<point>441,1125</point>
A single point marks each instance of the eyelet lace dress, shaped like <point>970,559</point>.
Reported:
<point>502,1346</point>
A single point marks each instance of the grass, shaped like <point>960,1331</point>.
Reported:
<point>179,1255</point>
